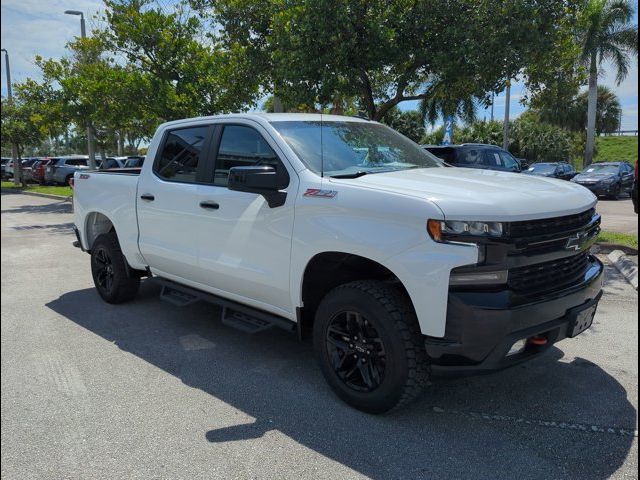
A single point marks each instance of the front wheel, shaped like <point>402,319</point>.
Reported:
<point>369,346</point>
<point>109,270</point>
<point>616,192</point>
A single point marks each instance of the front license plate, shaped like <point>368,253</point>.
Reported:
<point>582,321</point>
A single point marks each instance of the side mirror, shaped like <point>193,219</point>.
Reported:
<point>263,180</point>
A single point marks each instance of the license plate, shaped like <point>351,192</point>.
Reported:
<point>582,321</point>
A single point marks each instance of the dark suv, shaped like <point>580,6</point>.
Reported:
<point>477,155</point>
<point>608,179</point>
<point>562,170</point>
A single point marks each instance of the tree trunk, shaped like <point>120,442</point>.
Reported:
<point>120,144</point>
<point>591,111</point>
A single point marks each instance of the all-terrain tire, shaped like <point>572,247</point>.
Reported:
<point>110,272</point>
<point>388,313</point>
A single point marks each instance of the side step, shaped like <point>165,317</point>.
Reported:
<point>234,314</point>
<point>176,297</point>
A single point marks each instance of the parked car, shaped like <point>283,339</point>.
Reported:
<point>634,190</point>
<point>27,169</point>
<point>112,162</point>
<point>398,267</point>
<point>61,169</point>
<point>134,161</point>
<point>562,170</point>
<point>608,179</point>
<point>3,165</point>
<point>8,169</point>
<point>39,168</point>
<point>477,155</point>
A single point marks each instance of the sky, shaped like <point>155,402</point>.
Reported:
<point>40,27</point>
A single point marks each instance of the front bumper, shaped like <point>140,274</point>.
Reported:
<point>483,326</point>
<point>600,189</point>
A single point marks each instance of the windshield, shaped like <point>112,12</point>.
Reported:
<point>602,169</point>
<point>542,168</point>
<point>343,148</point>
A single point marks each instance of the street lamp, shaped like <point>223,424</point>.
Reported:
<point>90,145</point>
<point>14,151</point>
<point>83,32</point>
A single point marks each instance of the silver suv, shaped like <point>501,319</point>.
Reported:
<point>61,169</point>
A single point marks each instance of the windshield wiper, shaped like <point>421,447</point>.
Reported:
<point>350,175</point>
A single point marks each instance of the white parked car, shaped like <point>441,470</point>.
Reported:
<point>343,229</point>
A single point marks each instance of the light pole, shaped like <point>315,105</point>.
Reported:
<point>17,170</point>
<point>90,144</point>
<point>505,126</point>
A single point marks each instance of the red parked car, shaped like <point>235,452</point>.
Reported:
<point>38,169</point>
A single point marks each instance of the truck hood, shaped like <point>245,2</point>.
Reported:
<point>469,194</point>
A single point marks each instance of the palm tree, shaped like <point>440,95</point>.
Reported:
<point>439,103</point>
<point>606,35</point>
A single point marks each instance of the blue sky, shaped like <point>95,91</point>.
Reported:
<point>40,27</point>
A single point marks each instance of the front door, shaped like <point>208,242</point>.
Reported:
<point>244,245</point>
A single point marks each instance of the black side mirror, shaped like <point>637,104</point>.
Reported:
<point>263,180</point>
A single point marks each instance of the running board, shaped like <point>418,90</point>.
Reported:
<point>234,314</point>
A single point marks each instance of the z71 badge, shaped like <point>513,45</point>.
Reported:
<point>316,192</point>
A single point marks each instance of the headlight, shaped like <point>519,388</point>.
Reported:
<point>441,229</point>
<point>608,181</point>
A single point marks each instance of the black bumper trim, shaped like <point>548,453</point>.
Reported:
<point>480,331</point>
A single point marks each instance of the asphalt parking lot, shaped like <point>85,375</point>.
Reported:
<point>618,215</point>
<point>148,390</point>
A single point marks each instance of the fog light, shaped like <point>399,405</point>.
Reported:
<point>518,347</point>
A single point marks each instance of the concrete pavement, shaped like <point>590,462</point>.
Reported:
<point>618,215</point>
<point>149,390</point>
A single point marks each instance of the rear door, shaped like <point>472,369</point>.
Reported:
<point>245,245</point>
<point>167,203</point>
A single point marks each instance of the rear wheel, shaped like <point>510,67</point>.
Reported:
<point>369,346</point>
<point>109,270</point>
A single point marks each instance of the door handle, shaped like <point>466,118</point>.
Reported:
<point>148,197</point>
<point>210,205</point>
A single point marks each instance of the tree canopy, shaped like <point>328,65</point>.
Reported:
<point>387,52</point>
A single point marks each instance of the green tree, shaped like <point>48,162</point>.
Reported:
<point>606,34</point>
<point>20,127</point>
<point>572,114</point>
<point>386,52</point>
<point>189,71</point>
<point>408,123</point>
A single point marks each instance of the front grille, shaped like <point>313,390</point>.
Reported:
<point>550,226</point>
<point>549,276</point>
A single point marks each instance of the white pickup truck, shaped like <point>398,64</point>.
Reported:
<point>398,265</point>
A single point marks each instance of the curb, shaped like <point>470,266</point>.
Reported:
<point>37,194</point>
<point>626,267</point>
<point>605,248</point>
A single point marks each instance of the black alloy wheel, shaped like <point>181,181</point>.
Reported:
<point>356,351</point>
<point>104,270</point>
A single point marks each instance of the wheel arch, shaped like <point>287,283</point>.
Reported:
<point>97,223</point>
<point>327,270</point>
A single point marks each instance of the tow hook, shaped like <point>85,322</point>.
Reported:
<point>537,340</point>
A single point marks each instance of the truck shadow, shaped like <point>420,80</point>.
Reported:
<point>546,419</point>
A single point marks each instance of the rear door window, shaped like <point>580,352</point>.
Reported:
<point>470,157</point>
<point>181,154</point>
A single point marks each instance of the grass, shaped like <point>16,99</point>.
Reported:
<point>614,149</point>
<point>618,239</point>
<point>63,191</point>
